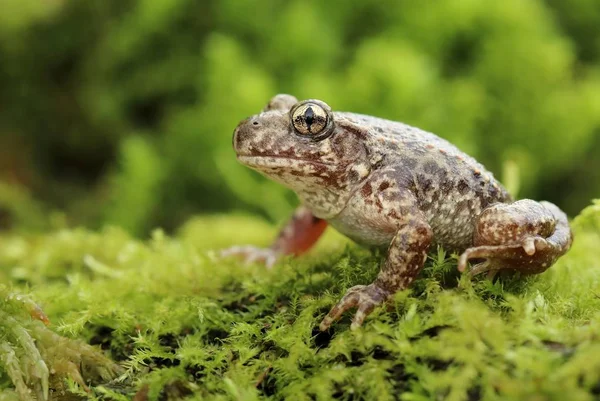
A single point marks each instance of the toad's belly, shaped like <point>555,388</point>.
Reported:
<point>362,231</point>
<point>453,231</point>
<point>364,223</point>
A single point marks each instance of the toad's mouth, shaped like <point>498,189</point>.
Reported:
<point>266,160</point>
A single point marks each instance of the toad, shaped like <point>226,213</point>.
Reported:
<point>386,184</point>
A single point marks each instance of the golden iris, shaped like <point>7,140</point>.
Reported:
<point>309,119</point>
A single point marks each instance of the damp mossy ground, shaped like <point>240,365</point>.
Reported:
<point>183,323</point>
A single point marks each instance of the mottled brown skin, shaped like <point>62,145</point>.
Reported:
<point>386,184</point>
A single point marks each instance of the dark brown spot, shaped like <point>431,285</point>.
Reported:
<point>422,231</point>
<point>425,183</point>
<point>462,187</point>
<point>366,190</point>
<point>425,206</point>
<point>297,173</point>
<point>394,214</point>
<point>447,186</point>
<point>384,185</point>
<point>353,176</point>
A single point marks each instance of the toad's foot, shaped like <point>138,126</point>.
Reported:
<point>364,297</point>
<point>533,244</point>
<point>251,254</point>
<point>525,236</point>
<point>497,256</point>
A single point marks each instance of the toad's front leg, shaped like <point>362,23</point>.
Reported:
<point>406,255</point>
<point>297,236</point>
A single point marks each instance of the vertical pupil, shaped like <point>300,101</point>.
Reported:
<point>309,117</point>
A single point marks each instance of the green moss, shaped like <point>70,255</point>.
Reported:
<point>37,360</point>
<point>183,323</point>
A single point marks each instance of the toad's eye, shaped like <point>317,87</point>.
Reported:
<point>311,119</point>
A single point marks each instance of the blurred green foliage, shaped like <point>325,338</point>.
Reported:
<point>121,111</point>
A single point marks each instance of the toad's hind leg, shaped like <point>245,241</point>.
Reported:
<point>297,237</point>
<point>526,236</point>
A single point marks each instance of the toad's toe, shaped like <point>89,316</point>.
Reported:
<point>364,298</point>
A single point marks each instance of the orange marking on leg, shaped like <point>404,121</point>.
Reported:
<point>300,234</point>
<point>301,243</point>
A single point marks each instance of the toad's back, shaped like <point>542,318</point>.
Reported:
<point>451,187</point>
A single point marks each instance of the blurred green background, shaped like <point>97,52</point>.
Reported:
<point>121,111</point>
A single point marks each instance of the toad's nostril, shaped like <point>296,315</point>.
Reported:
<point>255,120</point>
